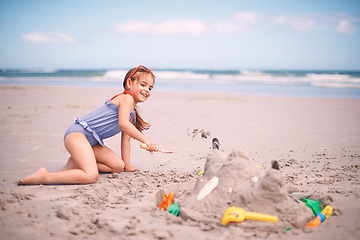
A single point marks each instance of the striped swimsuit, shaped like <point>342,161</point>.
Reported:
<point>101,123</point>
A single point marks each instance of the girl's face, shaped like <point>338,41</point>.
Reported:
<point>141,88</point>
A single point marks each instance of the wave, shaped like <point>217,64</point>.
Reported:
<point>333,80</point>
<point>258,77</point>
<point>161,75</point>
<point>30,70</point>
<point>328,79</point>
<point>335,85</point>
<point>114,74</point>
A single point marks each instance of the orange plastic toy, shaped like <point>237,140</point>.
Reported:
<point>321,217</point>
<point>314,223</point>
<point>167,201</point>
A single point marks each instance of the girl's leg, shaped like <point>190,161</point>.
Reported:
<point>107,160</point>
<point>70,165</point>
<point>81,154</point>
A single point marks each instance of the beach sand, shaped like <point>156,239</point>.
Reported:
<point>315,140</point>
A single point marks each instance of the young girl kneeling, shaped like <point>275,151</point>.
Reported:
<point>84,138</point>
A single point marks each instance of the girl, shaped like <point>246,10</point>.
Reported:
<point>83,139</point>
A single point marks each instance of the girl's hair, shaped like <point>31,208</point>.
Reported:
<point>140,124</point>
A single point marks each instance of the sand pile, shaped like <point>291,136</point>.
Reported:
<point>243,184</point>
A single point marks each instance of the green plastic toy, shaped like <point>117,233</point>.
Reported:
<point>313,204</point>
<point>174,209</point>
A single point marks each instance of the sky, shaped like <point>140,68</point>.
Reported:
<point>186,34</point>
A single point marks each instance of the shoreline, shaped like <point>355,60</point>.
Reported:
<point>246,88</point>
<point>315,140</point>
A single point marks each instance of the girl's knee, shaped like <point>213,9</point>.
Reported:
<point>91,177</point>
<point>119,167</point>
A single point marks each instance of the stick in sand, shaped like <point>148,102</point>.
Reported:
<point>144,146</point>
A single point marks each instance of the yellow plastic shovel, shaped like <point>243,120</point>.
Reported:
<point>235,214</point>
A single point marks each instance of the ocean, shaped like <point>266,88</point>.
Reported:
<point>332,84</point>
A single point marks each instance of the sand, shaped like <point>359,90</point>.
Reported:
<point>242,183</point>
<point>315,140</point>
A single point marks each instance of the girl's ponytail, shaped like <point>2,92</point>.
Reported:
<point>140,124</point>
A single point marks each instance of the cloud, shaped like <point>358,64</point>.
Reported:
<point>43,37</point>
<point>246,17</point>
<point>187,27</point>
<point>300,22</point>
<point>346,27</point>
<point>342,23</point>
<point>238,23</point>
<point>243,22</point>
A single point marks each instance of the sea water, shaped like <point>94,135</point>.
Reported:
<point>333,84</point>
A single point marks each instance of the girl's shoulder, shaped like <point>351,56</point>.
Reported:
<point>123,99</point>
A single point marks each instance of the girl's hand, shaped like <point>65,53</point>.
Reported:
<point>131,169</point>
<point>151,147</point>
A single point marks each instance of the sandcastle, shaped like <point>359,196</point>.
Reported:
<point>241,183</point>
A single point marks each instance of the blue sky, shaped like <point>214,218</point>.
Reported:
<point>193,34</point>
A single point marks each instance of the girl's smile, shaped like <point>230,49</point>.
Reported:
<point>141,89</point>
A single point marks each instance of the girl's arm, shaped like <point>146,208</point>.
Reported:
<point>125,107</point>
<point>125,153</point>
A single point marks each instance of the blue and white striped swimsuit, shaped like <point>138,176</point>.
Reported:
<point>99,124</point>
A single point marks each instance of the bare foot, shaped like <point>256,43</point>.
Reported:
<point>36,178</point>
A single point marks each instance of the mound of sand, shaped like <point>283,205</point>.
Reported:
<point>243,184</point>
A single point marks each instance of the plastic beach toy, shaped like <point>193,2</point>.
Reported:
<point>235,214</point>
<point>327,211</point>
<point>321,217</point>
<point>168,200</point>
<point>300,195</point>
<point>313,204</point>
<point>174,209</point>
<point>208,188</point>
<point>144,146</point>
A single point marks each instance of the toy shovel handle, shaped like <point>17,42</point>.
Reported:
<point>144,146</point>
<point>261,217</point>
